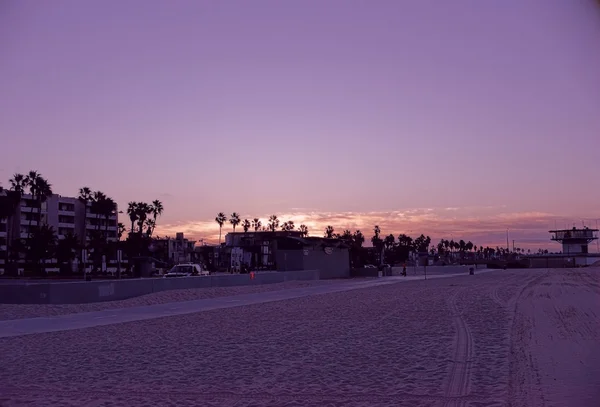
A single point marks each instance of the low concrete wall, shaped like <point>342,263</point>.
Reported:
<point>80,292</point>
<point>420,270</point>
<point>364,272</point>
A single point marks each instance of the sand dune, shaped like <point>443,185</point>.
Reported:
<point>496,339</point>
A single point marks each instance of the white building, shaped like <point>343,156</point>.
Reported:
<point>64,214</point>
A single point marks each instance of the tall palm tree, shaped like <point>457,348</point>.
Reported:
<point>256,224</point>
<point>220,219</point>
<point>304,230</point>
<point>234,219</point>
<point>109,208</point>
<point>157,210</point>
<point>40,190</point>
<point>144,210</point>
<point>132,212</point>
<point>246,225</point>
<point>273,223</point>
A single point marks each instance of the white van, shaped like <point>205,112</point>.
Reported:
<point>186,270</point>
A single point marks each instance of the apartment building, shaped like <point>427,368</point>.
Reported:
<point>65,214</point>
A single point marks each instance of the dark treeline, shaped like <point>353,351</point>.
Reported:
<point>41,246</point>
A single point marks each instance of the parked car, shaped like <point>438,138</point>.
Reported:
<point>370,266</point>
<point>186,270</point>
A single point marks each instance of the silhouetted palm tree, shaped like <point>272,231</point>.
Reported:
<point>288,226</point>
<point>40,190</point>
<point>273,223</point>
<point>256,224</point>
<point>220,219</point>
<point>246,225</point>
<point>304,230</point>
<point>157,210</point>
<point>234,219</point>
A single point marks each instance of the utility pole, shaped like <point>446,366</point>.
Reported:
<point>507,246</point>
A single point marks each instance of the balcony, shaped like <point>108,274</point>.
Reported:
<point>66,225</point>
<point>98,216</point>
<point>3,233</point>
<point>66,212</point>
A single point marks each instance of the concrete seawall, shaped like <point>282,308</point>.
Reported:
<point>81,292</point>
<point>420,270</point>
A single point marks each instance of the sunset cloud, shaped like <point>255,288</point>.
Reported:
<point>481,225</point>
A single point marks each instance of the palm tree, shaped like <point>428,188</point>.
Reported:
<point>40,190</point>
<point>143,210</point>
<point>220,219</point>
<point>132,212</point>
<point>256,224</point>
<point>234,219</point>
<point>304,230</point>
<point>288,226</point>
<point>273,223</point>
<point>329,232</point>
<point>246,225</point>
<point>157,210</point>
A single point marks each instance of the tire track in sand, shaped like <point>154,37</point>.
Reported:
<point>459,380</point>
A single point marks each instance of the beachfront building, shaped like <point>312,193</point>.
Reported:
<point>66,215</point>
<point>285,251</point>
<point>174,250</point>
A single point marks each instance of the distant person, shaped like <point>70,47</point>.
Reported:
<point>404,269</point>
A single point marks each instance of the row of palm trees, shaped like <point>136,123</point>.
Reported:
<point>256,224</point>
<point>42,242</point>
<point>403,244</point>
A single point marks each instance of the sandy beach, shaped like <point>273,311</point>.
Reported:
<point>504,338</point>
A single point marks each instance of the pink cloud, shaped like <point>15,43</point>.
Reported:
<point>481,225</point>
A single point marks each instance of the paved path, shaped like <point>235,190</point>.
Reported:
<point>67,322</point>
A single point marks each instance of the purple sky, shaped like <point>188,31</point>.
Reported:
<point>351,111</point>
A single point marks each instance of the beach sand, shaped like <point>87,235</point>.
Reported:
<point>504,338</point>
<point>17,311</point>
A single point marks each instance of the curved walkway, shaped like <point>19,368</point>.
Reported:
<point>67,322</point>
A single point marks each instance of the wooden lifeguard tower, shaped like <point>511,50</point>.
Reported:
<point>575,241</point>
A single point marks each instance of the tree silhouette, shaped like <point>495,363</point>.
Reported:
<point>273,223</point>
<point>234,219</point>
<point>246,225</point>
<point>220,219</point>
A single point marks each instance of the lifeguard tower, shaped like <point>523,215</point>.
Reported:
<point>575,241</point>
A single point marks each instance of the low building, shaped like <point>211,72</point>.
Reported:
<point>285,251</point>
